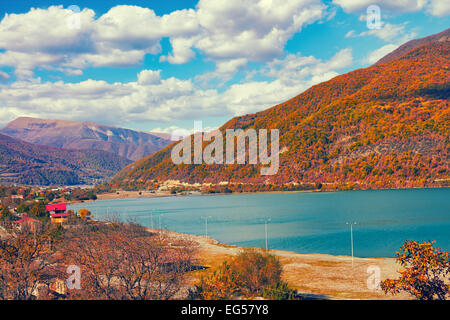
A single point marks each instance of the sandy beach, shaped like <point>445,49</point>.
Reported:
<point>315,276</point>
<point>132,194</point>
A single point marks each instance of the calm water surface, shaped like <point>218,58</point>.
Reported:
<point>299,222</point>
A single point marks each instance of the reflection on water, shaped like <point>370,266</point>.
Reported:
<point>300,222</point>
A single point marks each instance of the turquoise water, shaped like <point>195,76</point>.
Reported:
<point>299,222</point>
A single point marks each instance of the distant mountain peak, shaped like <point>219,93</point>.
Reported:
<point>25,163</point>
<point>70,134</point>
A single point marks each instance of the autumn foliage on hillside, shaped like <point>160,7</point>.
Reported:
<point>379,127</point>
<point>26,163</point>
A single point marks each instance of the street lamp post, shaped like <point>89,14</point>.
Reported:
<point>351,237</point>
<point>151,220</point>
<point>160,227</point>
<point>265,229</point>
<point>206,225</point>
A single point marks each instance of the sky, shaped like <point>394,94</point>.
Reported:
<point>161,65</point>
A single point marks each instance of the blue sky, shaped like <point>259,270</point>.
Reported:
<point>160,65</point>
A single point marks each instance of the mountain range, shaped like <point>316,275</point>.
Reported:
<point>378,127</point>
<point>126,143</point>
<point>25,163</point>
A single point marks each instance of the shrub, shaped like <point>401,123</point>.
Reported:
<point>251,273</point>
<point>221,284</point>
<point>425,269</point>
<point>280,291</point>
<point>257,270</point>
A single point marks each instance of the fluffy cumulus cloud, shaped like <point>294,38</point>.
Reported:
<point>292,75</point>
<point>393,34</point>
<point>390,32</point>
<point>434,7</point>
<point>439,8</point>
<point>254,30</point>
<point>151,98</point>
<point>379,53</point>
<point>63,39</point>
<point>230,33</point>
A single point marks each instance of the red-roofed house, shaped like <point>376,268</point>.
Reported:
<point>56,208</point>
<point>59,217</point>
<point>33,224</point>
<point>57,212</point>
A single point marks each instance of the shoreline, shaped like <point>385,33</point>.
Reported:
<point>146,194</point>
<point>314,275</point>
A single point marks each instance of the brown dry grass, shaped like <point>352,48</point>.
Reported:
<point>316,275</point>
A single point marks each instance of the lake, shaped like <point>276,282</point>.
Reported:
<point>312,222</point>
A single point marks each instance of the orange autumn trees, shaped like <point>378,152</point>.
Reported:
<point>27,261</point>
<point>116,261</point>
<point>251,273</point>
<point>221,284</point>
<point>385,126</point>
<point>124,262</point>
<point>424,274</point>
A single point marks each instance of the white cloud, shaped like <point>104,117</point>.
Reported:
<point>386,32</point>
<point>395,33</point>
<point>351,34</point>
<point>293,74</point>
<point>296,67</point>
<point>255,30</point>
<point>46,31</point>
<point>173,131</point>
<point>379,53</point>
<point>151,98</point>
<point>225,69</point>
<point>389,5</point>
<point>181,50</point>
<point>4,76</point>
<point>434,7</point>
<point>146,77</point>
<point>439,8</point>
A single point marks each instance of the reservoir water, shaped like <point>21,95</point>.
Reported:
<point>301,222</point>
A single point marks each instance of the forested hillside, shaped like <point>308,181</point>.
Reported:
<point>379,127</point>
<point>25,163</point>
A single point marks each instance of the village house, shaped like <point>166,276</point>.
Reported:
<point>57,212</point>
<point>30,223</point>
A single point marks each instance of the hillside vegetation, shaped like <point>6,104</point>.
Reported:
<point>25,163</point>
<point>383,126</point>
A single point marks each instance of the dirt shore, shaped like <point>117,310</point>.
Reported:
<point>315,276</point>
<point>132,194</point>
